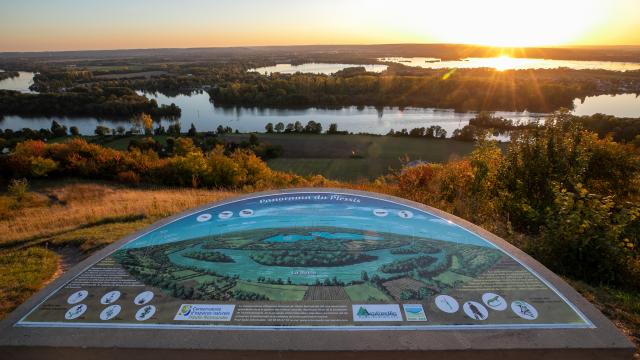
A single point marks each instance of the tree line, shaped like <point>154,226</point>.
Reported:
<point>462,90</point>
<point>99,102</point>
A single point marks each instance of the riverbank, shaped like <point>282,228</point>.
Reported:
<point>198,108</point>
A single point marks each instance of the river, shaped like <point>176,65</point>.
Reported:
<point>199,110</point>
<point>509,63</point>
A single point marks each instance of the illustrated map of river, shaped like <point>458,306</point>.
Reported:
<point>312,260</point>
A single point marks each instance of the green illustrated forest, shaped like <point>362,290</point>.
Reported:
<point>432,265</point>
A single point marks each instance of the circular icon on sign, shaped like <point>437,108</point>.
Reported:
<point>405,214</point>
<point>145,312</point>
<point>143,298</point>
<point>77,296</point>
<point>110,312</point>
<point>110,297</point>
<point>494,301</point>
<point>75,311</point>
<point>524,310</point>
<point>246,212</point>
<point>447,304</point>
<point>225,214</point>
<point>380,212</point>
<point>203,217</point>
<point>475,310</point>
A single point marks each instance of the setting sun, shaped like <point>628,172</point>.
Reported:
<point>504,62</point>
<point>37,25</point>
<point>511,23</point>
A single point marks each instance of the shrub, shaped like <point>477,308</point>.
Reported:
<point>31,148</point>
<point>128,177</point>
<point>592,238</point>
<point>188,170</point>
<point>223,170</point>
<point>41,167</point>
<point>18,188</point>
<point>183,146</point>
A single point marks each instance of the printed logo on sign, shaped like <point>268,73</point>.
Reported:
<point>185,310</point>
<point>204,312</point>
<point>414,312</point>
<point>371,312</point>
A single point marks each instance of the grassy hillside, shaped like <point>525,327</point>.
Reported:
<point>59,223</point>
<point>56,212</point>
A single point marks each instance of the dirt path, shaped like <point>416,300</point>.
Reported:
<point>68,257</point>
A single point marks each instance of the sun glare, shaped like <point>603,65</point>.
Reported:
<point>509,23</point>
<point>504,62</point>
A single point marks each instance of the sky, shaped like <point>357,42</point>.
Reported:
<point>52,25</point>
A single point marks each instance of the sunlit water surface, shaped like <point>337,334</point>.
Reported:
<point>509,63</point>
<point>199,110</point>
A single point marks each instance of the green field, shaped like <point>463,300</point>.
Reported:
<point>451,278</point>
<point>338,157</point>
<point>272,291</point>
<point>335,169</point>
<point>122,142</point>
<point>353,157</point>
<point>365,292</point>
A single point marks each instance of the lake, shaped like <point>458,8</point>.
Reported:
<point>198,109</point>
<point>20,83</point>
<point>509,63</point>
<point>623,105</point>
<point>316,68</point>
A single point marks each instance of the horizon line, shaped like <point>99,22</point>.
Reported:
<point>312,45</point>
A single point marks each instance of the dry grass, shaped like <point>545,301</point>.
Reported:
<point>92,238</point>
<point>86,216</point>
<point>83,205</point>
<point>23,272</point>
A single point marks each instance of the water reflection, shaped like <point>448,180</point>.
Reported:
<point>200,110</point>
<point>509,63</point>
<point>623,105</point>
<point>316,68</point>
<point>20,83</point>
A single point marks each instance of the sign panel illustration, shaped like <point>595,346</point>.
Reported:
<point>308,260</point>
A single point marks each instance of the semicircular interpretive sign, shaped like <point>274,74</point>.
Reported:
<point>322,259</point>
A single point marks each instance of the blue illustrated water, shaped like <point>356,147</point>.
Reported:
<point>366,216</point>
<point>313,210</point>
<point>319,234</point>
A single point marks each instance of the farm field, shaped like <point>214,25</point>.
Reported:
<point>326,293</point>
<point>365,292</point>
<point>396,287</point>
<point>272,291</point>
<point>353,157</point>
